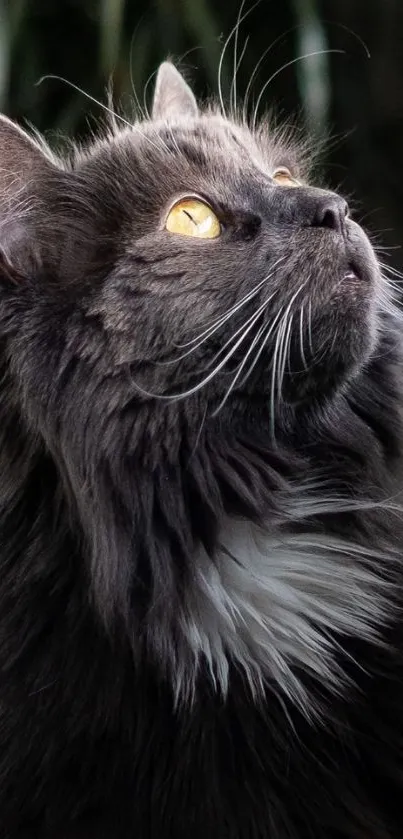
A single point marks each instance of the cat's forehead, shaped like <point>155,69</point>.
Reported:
<point>212,135</point>
<point>208,142</point>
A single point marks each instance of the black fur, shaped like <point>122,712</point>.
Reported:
<point>106,493</point>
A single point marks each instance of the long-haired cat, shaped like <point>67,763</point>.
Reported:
<point>200,538</point>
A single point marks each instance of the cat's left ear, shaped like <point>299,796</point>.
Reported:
<point>27,174</point>
<point>172,95</point>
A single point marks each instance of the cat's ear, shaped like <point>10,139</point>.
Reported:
<point>25,168</point>
<point>21,156</point>
<point>172,96</point>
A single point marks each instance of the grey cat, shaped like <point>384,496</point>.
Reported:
<point>200,530</point>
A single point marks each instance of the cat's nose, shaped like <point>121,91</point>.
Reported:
<point>329,210</point>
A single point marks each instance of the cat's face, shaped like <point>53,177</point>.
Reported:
<point>185,259</point>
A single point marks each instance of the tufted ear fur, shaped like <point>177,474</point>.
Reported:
<point>172,96</point>
<point>26,167</point>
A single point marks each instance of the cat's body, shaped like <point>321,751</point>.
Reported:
<point>201,466</point>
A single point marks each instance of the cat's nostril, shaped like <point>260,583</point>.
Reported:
<point>331,212</point>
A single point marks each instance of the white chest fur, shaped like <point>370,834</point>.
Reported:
<point>280,606</point>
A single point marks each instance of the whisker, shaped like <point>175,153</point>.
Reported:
<point>233,83</point>
<point>133,86</point>
<point>390,269</point>
<point>174,140</point>
<point>225,47</point>
<point>239,371</point>
<point>258,64</point>
<point>51,76</point>
<point>273,377</point>
<point>232,92</point>
<point>301,337</point>
<point>229,341</point>
<point>310,327</point>
<point>97,102</point>
<point>394,286</point>
<point>283,335</point>
<point>271,326</point>
<point>177,396</point>
<point>387,248</point>
<point>188,52</point>
<point>284,67</point>
<point>248,296</point>
<point>351,32</point>
<point>287,361</point>
<point>319,355</point>
<point>336,332</point>
<point>286,332</point>
<point>391,300</point>
<point>276,41</point>
<point>224,318</point>
<point>146,86</point>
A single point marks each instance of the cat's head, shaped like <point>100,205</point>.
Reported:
<point>182,260</point>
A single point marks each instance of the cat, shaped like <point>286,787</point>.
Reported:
<point>201,468</point>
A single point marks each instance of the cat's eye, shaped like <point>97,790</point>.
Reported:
<point>283,177</point>
<point>193,217</point>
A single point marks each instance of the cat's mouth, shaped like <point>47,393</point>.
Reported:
<point>360,271</point>
<point>358,278</point>
<point>362,265</point>
<point>353,273</point>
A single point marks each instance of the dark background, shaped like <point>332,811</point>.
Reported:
<point>356,99</point>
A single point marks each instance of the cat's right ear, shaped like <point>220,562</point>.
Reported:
<point>25,167</point>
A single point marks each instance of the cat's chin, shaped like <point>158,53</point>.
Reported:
<point>336,355</point>
<point>342,358</point>
<point>329,333</point>
<point>342,335</point>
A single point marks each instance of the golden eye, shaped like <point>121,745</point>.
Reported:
<point>283,177</point>
<point>192,217</point>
